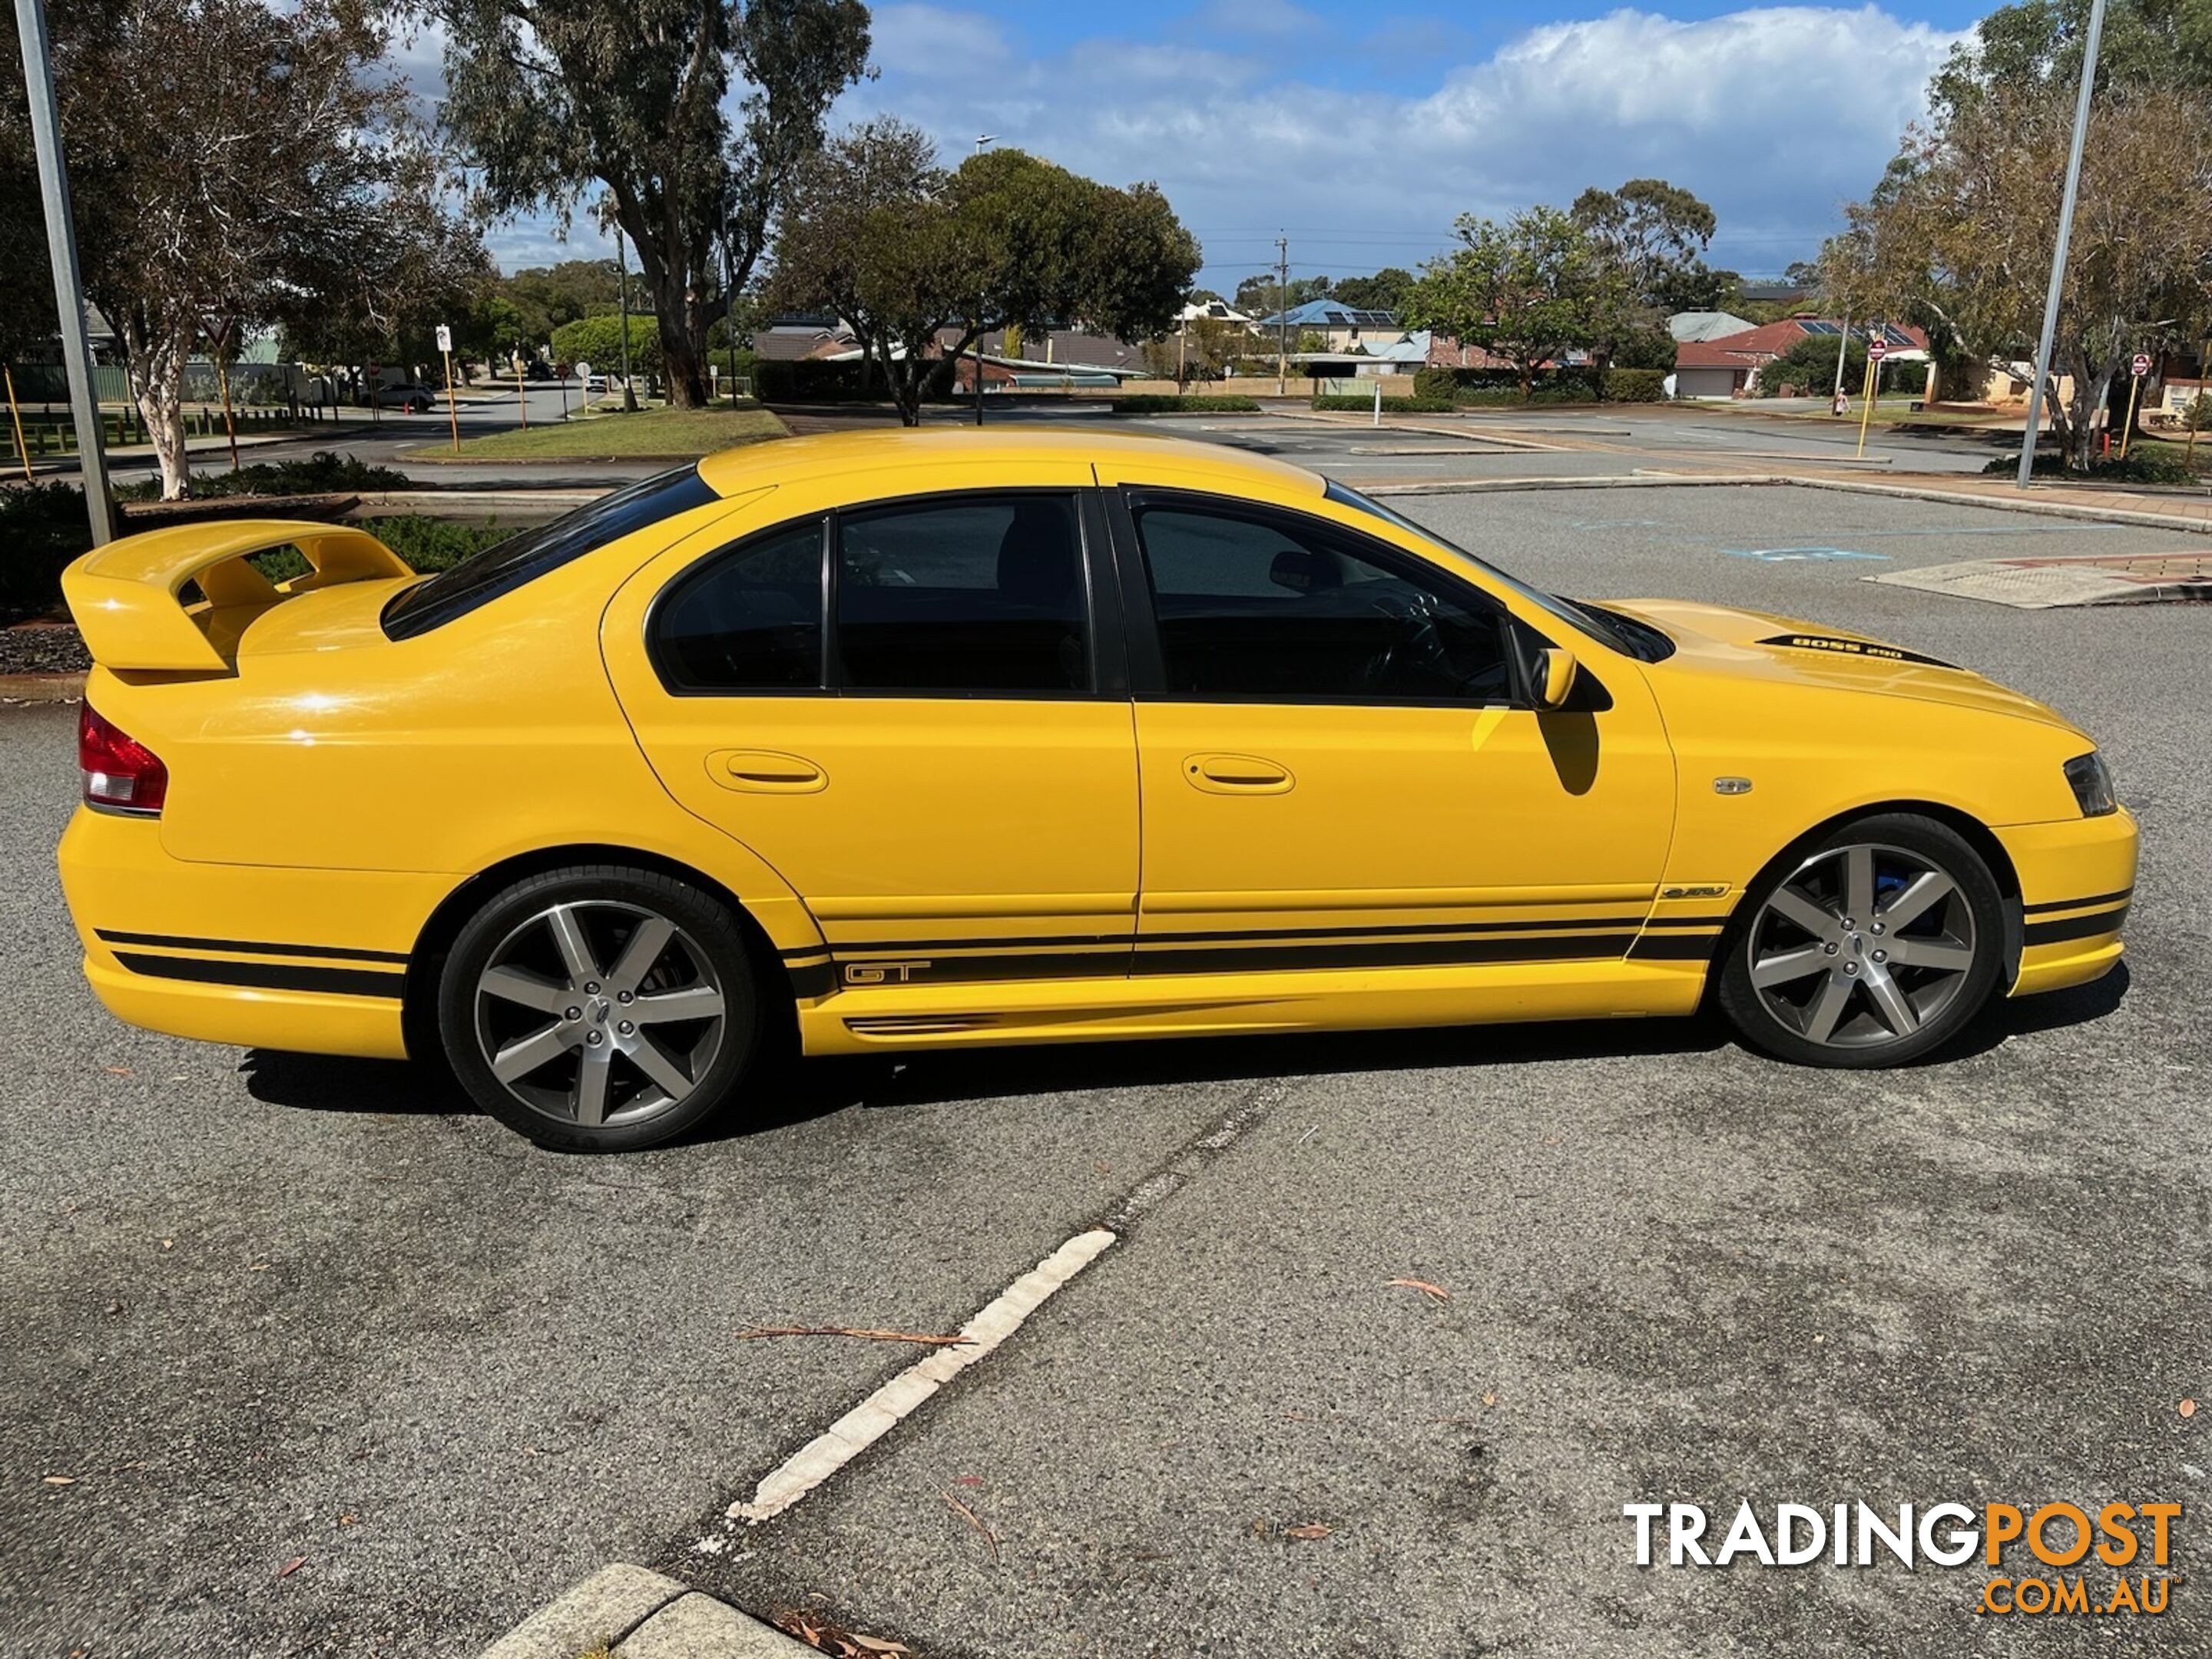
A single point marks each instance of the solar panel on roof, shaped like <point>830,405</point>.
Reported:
<point>1828,329</point>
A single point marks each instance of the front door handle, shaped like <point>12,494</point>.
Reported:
<point>765,772</point>
<point>1237,775</point>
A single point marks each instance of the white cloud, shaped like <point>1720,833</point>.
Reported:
<point>1775,115</point>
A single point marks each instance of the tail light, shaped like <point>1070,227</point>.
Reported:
<point>120,773</point>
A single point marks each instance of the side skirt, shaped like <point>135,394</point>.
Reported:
<point>861,1019</point>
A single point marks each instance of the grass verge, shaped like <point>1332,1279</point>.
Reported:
<point>675,434</point>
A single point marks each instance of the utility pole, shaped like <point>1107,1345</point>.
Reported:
<point>68,287</point>
<point>1282,316</point>
<point>622,282</point>
<point>2065,235</point>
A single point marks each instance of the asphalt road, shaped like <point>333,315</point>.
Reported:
<point>268,1309</point>
<point>1572,443</point>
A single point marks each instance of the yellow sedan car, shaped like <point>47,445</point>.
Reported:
<point>897,741</point>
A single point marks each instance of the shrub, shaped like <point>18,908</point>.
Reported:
<point>1416,405</point>
<point>1168,404</point>
<point>2198,415</point>
<point>1485,387</point>
<point>1634,385</point>
<point>436,544</point>
<point>322,473</point>
<point>42,527</point>
<point>2150,464</point>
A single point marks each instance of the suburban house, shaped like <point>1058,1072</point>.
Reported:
<point>1341,325</point>
<point>1705,325</point>
<point>1728,366</point>
<point>1376,355</point>
<point>1211,310</point>
<point>793,336</point>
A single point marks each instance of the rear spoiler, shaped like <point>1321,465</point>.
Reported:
<point>128,598</point>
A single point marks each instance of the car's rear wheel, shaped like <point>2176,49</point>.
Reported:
<point>1877,946</point>
<point>599,1009</point>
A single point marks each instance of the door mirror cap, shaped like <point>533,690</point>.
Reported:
<point>1554,678</point>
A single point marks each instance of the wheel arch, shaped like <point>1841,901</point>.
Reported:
<point>1970,829</point>
<point>426,961</point>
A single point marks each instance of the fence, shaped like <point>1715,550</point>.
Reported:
<point>54,435</point>
<point>251,384</point>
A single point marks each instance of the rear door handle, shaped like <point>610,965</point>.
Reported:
<point>765,772</point>
<point>1237,775</point>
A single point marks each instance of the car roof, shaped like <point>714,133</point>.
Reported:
<point>732,471</point>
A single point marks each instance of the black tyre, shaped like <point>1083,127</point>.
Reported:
<point>1877,946</point>
<point>600,1008</point>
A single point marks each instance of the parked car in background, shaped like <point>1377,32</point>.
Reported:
<point>410,396</point>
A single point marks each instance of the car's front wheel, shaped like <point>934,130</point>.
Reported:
<point>600,1008</point>
<point>1879,945</point>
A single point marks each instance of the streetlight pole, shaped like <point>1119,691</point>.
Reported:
<point>2065,235</point>
<point>622,284</point>
<point>68,286</point>
<point>1282,316</point>
<point>983,302</point>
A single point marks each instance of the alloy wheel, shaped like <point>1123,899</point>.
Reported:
<point>599,1013</point>
<point>1862,945</point>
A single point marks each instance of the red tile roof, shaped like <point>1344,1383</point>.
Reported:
<point>1755,346</point>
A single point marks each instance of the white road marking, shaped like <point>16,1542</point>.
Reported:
<point>874,1417</point>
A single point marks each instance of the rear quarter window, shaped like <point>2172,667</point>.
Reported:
<point>507,565</point>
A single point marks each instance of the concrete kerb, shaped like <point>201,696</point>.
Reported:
<point>634,1613</point>
<point>27,688</point>
<point>1655,480</point>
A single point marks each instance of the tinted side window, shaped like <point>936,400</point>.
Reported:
<point>1249,608</point>
<point>748,620</point>
<point>506,566</point>
<point>977,593</point>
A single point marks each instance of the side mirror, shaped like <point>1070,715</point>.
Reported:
<point>1554,680</point>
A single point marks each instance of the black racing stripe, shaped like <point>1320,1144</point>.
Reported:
<point>848,948</point>
<point>267,975</point>
<point>1379,953</point>
<point>1671,947</point>
<point>250,947</point>
<point>2100,921</point>
<point>1688,921</point>
<point>812,979</point>
<point>1273,935</point>
<point>2075,904</point>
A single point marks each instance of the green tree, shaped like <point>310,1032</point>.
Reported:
<point>1650,237</point>
<point>2148,44</point>
<point>1529,290</point>
<point>598,341</point>
<point>907,252</point>
<point>1384,291</point>
<point>1962,227</point>
<point>554,99</point>
<point>234,166</point>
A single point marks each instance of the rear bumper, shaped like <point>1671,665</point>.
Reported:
<point>2077,879</point>
<point>313,961</point>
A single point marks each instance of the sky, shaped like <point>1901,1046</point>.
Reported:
<point>1361,129</point>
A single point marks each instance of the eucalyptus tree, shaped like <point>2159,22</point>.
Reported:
<point>627,102</point>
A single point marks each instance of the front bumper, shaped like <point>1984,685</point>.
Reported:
<point>2077,879</point>
<point>312,961</point>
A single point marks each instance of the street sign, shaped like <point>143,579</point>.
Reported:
<point>2139,365</point>
<point>445,337</point>
<point>1877,349</point>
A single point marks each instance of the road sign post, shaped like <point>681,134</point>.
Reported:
<point>521,397</point>
<point>1877,349</point>
<point>2138,366</point>
<point>452,415</point>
